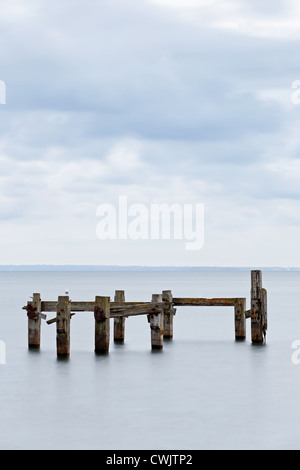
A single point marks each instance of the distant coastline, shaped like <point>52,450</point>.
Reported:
<point>45,267</point>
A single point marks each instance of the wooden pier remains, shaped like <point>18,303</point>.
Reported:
<point>63,320</point>
<point>156,321</point>
<point>160,314</point>
<point>34,322</point>
<point>119,322</point>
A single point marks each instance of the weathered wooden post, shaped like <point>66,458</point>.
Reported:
<point>102,324</point>
<point>169,312</point>
<point>156,325</point>
<point>264,311</point>
<point>258,308</point>
<point>63,320</point>
<point>119,323</point>
<point>34,322</point>
<point>240,319</point>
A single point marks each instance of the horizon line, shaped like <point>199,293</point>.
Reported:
<point>144,267</point>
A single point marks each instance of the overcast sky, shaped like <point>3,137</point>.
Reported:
<point>163,101</point>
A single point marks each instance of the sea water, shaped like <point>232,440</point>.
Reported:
<point>203,391</point>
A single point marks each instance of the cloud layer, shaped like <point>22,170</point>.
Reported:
<point>182,101</point>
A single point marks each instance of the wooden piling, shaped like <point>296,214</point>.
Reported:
<point>240,319</point>
<point>159,311</point>
<point>156,325</point>
<point>102,324</point>
<point>264,311</point>
<point>63,320</point>
<point>168,313</point>
<point>34,322</point>
<point>119,323</point>
<point>258,308</point>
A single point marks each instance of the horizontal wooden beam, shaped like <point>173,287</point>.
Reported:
<point>138,308</point>
<point>50,306</point>
<point>79,306</point>
<point>199,302</point>
<point>248,313</point>
<point>119,309</point>
<point>123,310</point>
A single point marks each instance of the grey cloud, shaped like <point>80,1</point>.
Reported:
<point>269,8</point>
<point>137,69</point>
<point>84,76</point>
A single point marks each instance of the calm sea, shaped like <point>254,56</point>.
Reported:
<point>203,391</point>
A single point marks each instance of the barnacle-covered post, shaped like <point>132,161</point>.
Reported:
<point>102,327</point>
<point>156,325</point>
<point>258,308</point>
<point>169,312</point>
<point>119,322</point>
<point>240,318</point>
<point>34,322</point>
<point>63,320</point>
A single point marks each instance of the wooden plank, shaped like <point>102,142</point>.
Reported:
<point>201,302</point>
<point>87,306</point>
<point>248,313</point>
<point>131,310</point>
<point>48,306</point>
<point>127,309</point>
<point>54,320</point>
<point>121,311</point>
<point>77,306</point>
